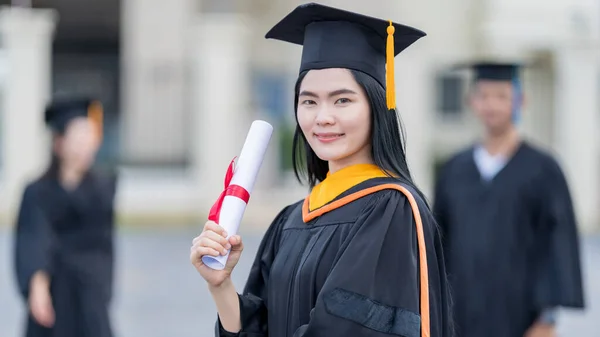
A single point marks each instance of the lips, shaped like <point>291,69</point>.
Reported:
<point>328,136</point>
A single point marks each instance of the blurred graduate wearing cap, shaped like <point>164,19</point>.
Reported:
<point>508,223</point>
<point>360,255</point>
<point>64,231</point>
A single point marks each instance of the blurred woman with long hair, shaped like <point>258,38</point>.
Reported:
<point>64,232</point>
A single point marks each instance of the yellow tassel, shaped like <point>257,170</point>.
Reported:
<point>95,114</point>
<point>389,68</point>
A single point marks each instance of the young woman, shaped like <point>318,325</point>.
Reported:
<point>64,231</point>
<point>361,255</point>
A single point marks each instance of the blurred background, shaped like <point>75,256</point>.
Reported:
<point>181,81</point>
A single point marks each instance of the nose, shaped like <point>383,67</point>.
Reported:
<point>324,116</point>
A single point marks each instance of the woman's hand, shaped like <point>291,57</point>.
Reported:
<point>541,330</point>
<point>40,300</point>
<point>213,241</point>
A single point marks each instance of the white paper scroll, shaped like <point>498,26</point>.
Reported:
<point>246,169</point>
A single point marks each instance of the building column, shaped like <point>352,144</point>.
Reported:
<point>414,105</point>
<point>576,129</point>
<point>221,116</point>
<point>155,75</point>
<point>27,36</point>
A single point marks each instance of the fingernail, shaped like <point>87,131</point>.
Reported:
<point>224,233</point>
<point>228,246</point>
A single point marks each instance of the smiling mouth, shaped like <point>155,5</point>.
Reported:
<point>326,137</point>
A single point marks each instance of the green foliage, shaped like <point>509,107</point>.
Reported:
<point>285,138</point>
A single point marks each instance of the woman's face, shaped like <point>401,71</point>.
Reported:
<point>334,115</point>
<point>78,146</point>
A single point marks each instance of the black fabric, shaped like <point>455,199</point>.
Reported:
<point>60,112</point>
<point>69,234</point>
<point>511,244</point>
<point>496,71</point>
<point>371,314</point>
<point>367,247</point>
<point>336,38</point>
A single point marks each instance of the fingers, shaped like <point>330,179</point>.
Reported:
<point>50,315</point>
<point>212,226</point>
<point>197,252</point>
<point>212,240</point>
<point>43,314</point>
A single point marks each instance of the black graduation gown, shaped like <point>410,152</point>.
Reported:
<point>70,236</point>
<point>511,243</point>
<point>352,271</point>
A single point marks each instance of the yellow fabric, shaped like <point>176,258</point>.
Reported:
<point>341,181</point>
<point>390,85</point>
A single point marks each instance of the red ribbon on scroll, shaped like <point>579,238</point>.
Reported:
<point>230,190</point>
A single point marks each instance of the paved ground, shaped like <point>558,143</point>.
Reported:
<point>160,294</point>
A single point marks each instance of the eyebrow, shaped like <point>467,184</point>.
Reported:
<point>331,94</point>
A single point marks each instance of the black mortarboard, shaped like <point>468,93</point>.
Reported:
<point>60,112</point>
<point>335,38</point>
<point>496,71</point>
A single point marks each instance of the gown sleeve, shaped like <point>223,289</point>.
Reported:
<point>111,219</point>
<point>373,289</point>
<point>33,241</point>
<point>253,309</point>
<point>440,204</point>
<point>558,280</point>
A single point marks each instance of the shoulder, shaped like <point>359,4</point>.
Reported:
<point>282,217</point>
<point>105,176</point>
<point>286,212</point>
<point>35,197</point>
<point>400,195</point>
<point>35,189</point>
<point>457,161</point>
<point>544,160</point>
<point>401,209</point>
<point>105,180</point>
<point>273,233</point>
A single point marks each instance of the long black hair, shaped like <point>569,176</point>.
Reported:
<point>387,138</point>
<point>53,169</point>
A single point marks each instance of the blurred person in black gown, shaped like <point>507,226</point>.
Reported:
<point>64,231</point>
<point>507,219</point>
<point>361,254</point>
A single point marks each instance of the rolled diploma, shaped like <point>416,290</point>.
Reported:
<point>246,169</point>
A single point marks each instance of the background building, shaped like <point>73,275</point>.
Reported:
<point>181,81</point>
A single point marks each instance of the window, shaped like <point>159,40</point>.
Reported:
<point>450,94</point>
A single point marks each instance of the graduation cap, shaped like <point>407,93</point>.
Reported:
<point>494,70</point>
<point>497,71</point>
<point>336,38</point>
<point>60,112</point>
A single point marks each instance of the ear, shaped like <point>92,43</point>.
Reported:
<point>523,100</point>
<point>468,98</point>
<point>57,141</point>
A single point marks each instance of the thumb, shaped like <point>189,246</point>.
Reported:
<point>236,243</point>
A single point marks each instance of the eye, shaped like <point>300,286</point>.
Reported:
<point>343,101</point>
<point>308,102</point>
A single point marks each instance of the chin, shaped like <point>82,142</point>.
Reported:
<point>497,128</point>
<point>328,154</point>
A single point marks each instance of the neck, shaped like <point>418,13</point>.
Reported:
<point>337,165</point>
<point>503,143</point>
<point>70,178</point>
<point>363,156</point>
